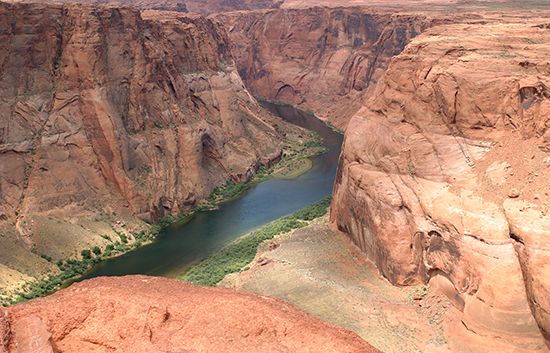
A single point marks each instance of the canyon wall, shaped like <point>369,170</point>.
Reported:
<point>106,116</point>
<point>444,179</point>
<point>319,59</point>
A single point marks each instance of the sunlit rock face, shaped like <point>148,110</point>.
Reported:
<point>444,178</point>
<point>149,314</point>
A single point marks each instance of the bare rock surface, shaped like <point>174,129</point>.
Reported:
<point>147,314</point>
<point>320,59</point>
<point>427,176</point>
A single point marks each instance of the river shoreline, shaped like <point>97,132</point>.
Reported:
<point>238,254</point>
<point>295,161</point>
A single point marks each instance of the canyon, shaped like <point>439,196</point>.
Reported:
<point>116,119</point>
<point>116,114</point>
<point>319,59</point>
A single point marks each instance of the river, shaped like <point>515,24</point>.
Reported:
<point>207,232</point>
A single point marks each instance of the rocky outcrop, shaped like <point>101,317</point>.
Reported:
<point>320,59</point>
<point>106,116</point>
<point>146,314</point>
<point>444,179</point>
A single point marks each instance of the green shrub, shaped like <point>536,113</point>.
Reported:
<point>96,250</point>
<point>86,254</point>
<point>46,257</point>
<point>241,252</point>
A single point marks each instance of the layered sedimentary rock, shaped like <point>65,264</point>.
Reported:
<point>146,314</point>
<point>106,116</point>
<point>445,174</point>
<point>320,59</point>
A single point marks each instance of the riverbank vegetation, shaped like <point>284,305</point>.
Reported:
<point>238,254</point>
<point>295,160</point>
<point>72,268</point>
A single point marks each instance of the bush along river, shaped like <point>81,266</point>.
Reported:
<point>207,232</point>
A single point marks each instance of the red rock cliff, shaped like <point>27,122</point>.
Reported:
<point>444,178</point>
<point>103,112</point>
<point>320,59</point>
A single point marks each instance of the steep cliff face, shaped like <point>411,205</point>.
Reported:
<point>320,59</point>
<point>105,115</point>
<point>444,179</point>
<point>147,314</point>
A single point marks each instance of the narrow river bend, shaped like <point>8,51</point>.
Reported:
<point>208,232</point>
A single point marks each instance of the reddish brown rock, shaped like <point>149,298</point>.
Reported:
<point>109,115</point>
<point>4,330</point>
<point>146,314</point>
<point>458,121</point>
<point>324,60</point>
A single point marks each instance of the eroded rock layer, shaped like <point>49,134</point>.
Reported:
<point>107,115</point>
<point>445,177</point>
<point>320,59</point>
<point>146,314</point>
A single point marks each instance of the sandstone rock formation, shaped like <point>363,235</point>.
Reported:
<point>319,59</point>
<point>106,115</point>
<point>460,118</point>
<point>146,314</point>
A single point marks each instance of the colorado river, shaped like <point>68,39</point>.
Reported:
<point>208,232</point>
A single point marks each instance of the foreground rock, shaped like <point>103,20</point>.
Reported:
<point>147,314</point>
<point>428,172</point>
<point>108,117</point>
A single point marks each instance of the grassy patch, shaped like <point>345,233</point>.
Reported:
<point>73,268</point>
<point>241,252</point>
